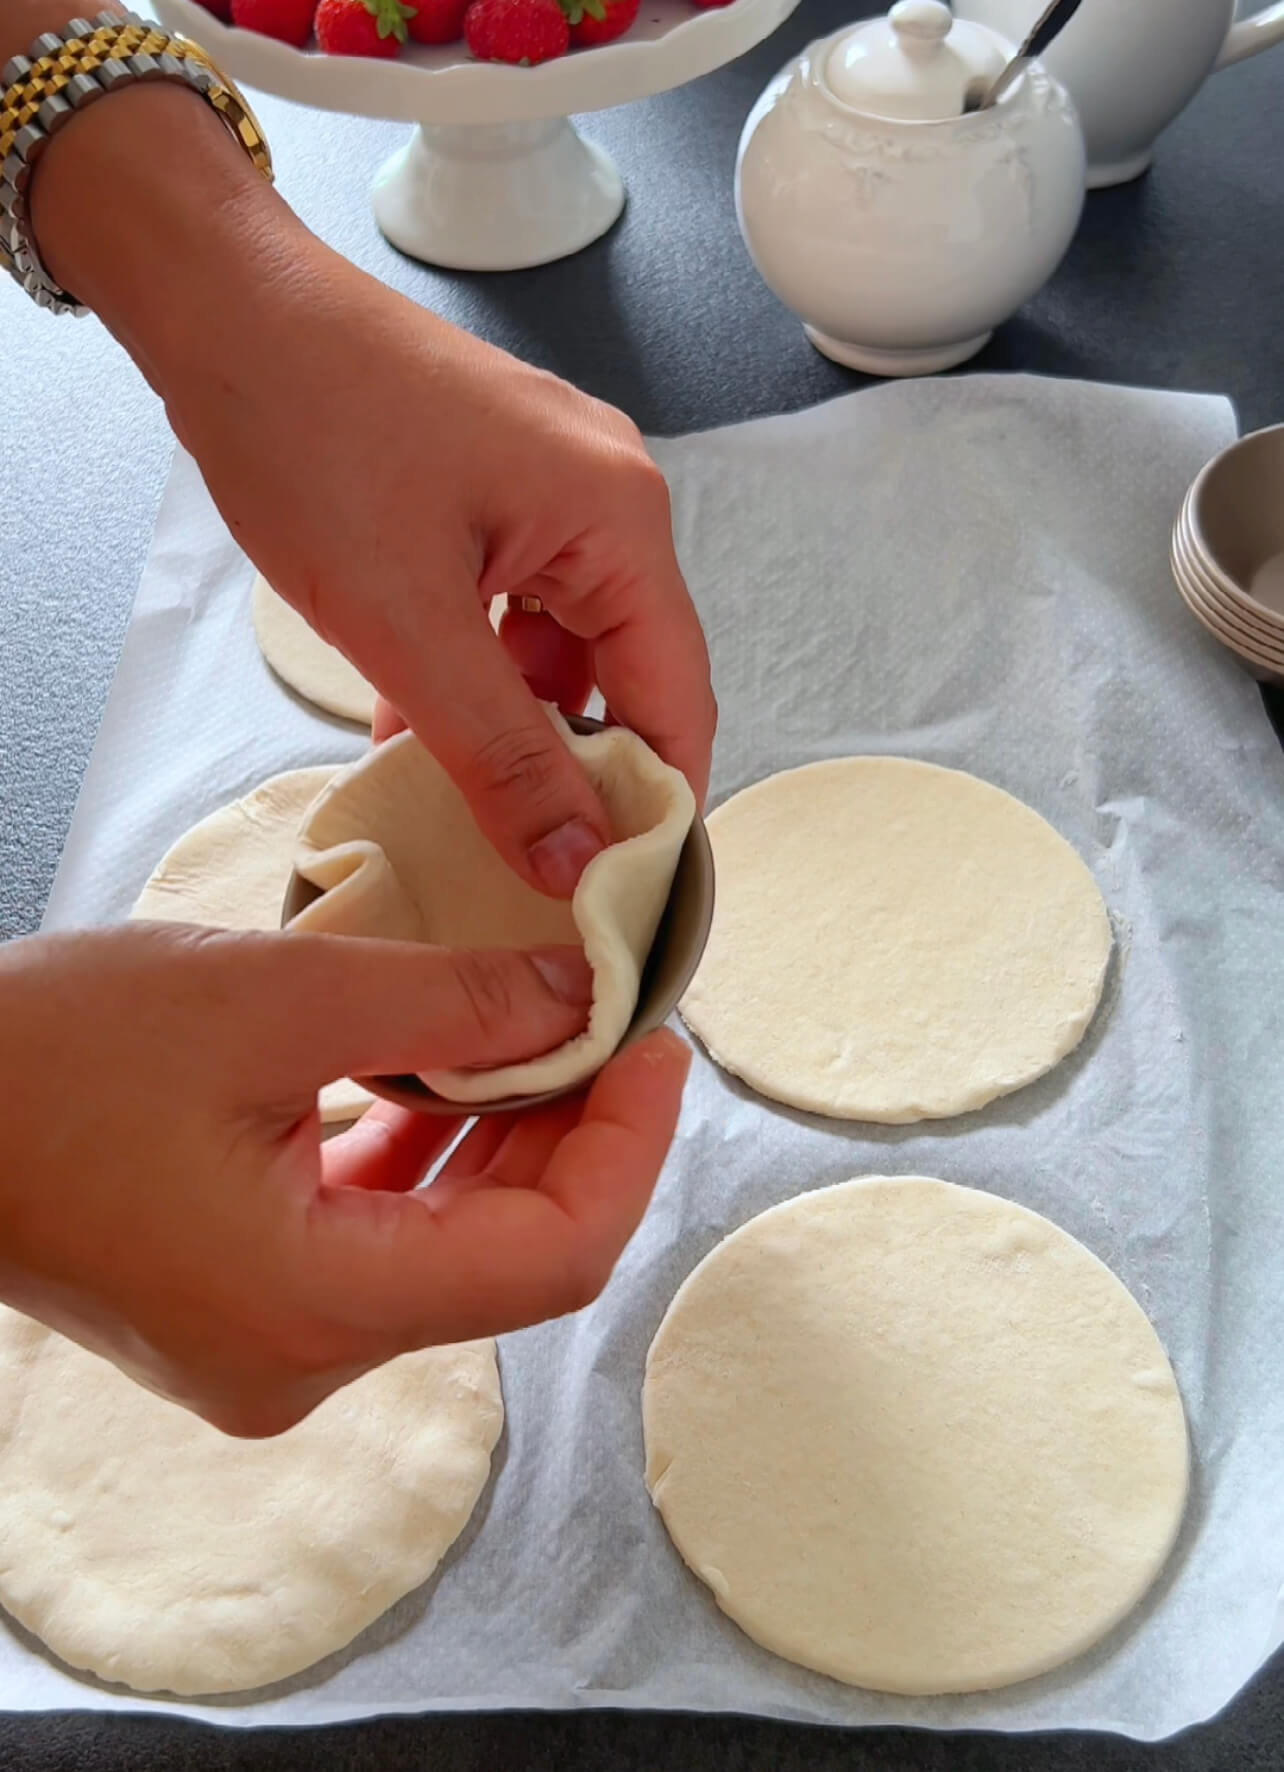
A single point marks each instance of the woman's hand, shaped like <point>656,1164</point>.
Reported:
<point>391,475</point>
<point>386,471</point>
<point>166,1197</point>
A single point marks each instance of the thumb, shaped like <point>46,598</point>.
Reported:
<point>319,1007</point>
<point>467,701</point>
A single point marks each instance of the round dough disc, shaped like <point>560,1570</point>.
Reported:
<point>308,664</point>
<point>230,872</point>
<point>312,667</point>
<point>893,941</point>
<point>914,1437</point>
<point>145,1546</point>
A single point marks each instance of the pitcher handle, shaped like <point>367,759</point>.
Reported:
<point>1247,35</point>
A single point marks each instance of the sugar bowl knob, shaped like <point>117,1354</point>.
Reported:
<point>921,25</point>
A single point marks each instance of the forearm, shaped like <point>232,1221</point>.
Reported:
<point>151,214</point>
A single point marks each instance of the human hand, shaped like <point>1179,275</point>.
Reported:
<point>387,472</point>
<point>167,1200</point>
<point>390,475</point>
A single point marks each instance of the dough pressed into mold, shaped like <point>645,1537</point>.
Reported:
<point>396,852</point>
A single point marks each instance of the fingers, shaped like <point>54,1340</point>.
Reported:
<point>508,1150</point>
<point>389,1148</point>
<point>423,1268</point>
<point>555,663</point>
<point>327,1006</point>
<point>602,1173</point>
<point>469,704</point>
<point>653,671</point>
<point>387,721</point>
<point>622,590</point>
<point>475,1151</point>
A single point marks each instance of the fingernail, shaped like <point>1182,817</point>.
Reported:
<point>566,973</point>
<point>559,859</point>
<point>664,1047</point>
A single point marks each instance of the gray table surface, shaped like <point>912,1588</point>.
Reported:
<point>1175,282</point>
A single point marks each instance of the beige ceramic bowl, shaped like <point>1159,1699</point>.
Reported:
<point>1228,539</point>
<point>1234,519</point>
<point>1241,612</point>
<point>1253,662</point>
<point>1247,610</point>
<point>1261,659</point>
<point>675,954</point>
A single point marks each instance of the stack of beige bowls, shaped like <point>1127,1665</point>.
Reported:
<point>1228,551</point>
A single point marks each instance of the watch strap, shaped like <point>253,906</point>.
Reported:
<point>63,72</point>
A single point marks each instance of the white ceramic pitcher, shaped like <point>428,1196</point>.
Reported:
<point>1132,65</point>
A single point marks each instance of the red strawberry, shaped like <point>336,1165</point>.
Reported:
<point>712,2</point>
<point>599,21</point>
<point>362,27</point>
<point>220,8</point>
<point>519,31</point>
<point>290,21</point>
<point>438,21</point>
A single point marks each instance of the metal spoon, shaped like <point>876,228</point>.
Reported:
<point>1050,24</point>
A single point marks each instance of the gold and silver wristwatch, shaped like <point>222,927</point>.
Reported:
<point>61,73</point>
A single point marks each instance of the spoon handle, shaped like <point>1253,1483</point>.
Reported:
<point>1050,23</point>
<point>1053,21</point>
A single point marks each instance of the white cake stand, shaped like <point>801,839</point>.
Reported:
<point>495,177</point>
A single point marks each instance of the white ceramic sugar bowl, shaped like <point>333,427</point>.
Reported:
<point>900,230</point>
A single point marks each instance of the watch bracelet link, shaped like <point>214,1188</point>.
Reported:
<point>61,74</point>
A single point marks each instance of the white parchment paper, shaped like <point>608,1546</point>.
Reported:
<point>972,572</point>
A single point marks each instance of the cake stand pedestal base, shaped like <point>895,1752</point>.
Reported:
<point>496,196</point>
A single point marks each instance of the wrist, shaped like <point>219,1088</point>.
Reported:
<point>305,334</point>
<point>147,209</point>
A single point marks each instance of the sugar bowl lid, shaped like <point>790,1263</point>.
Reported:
<point>914,65</point>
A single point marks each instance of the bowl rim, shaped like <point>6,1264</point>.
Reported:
<point>1255,617</point>
<point>1233,640</point>
<point>1219,598</point>
<point>1224,462</point>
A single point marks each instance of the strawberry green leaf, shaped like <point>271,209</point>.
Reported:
<point>390,18</point>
